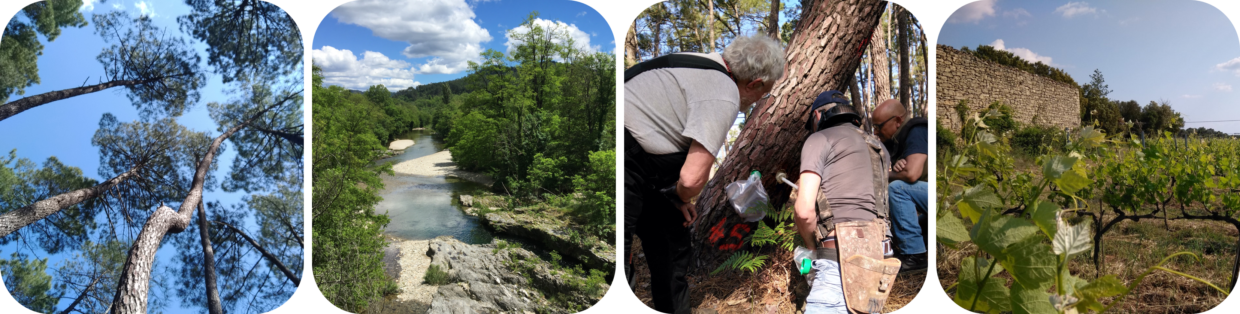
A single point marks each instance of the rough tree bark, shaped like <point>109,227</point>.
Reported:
<point>270,257</point>
<point>879,64</point>
<point>823,56</point>
<point>17,106</point>
<point>710,24</point>
<point>906,85</point>
<point>14,220</point>
<point>135,282</point>
<point>630,45</point>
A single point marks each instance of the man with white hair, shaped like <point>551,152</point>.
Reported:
<point>678,109</point>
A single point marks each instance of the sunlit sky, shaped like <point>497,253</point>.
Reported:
<point>1184,52</point>
<point>402,43</point>
<point>64,128</point>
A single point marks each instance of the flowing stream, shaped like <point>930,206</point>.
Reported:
<point>427,207</point>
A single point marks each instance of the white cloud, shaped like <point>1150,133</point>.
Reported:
<point>118,6</point>
<point>1232,65</point>
<point>145,9</point>
<point>581,40</point>
<point>973,12</point>
<point>87,5</point>
<point>443,30</point>
<point>1023,53</point>
<point>1222,87</point>
<point>583,13</point>
<point>1190,96</point>
<point>341,67</point>
<point>1073,9</point>
<point>1016,14</point>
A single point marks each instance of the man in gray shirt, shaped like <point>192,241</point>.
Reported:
<point>675,121</point>
<point>835,161</point>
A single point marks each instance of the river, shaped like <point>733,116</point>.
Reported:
<point>427,207</point>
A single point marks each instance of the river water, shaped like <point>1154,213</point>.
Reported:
<point>427,207</point>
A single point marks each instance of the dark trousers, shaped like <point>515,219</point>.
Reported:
<point>658,223</point>
<point>666,243</point>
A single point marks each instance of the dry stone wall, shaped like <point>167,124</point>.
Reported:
<point>1033,99</point>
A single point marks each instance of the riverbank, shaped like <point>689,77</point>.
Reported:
<point>406,261</point>
<point>400,144</point>
<point>439,164</point>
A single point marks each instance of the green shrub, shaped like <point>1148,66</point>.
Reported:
<point>945,138</point>
<point>1038,139</point>
<point>435,276</point>
<point>998,117</point>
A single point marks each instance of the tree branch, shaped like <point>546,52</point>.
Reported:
<point>270,257</point>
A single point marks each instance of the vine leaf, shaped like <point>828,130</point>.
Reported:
<point>1073,180</point>
<point>951,231</point>
<point>994,234</point>
<point>1107,286</point>
<point>1072,239</point>
<point>1029,264</point>
<point>976,200</point>
<point>1044,216</point>
<point>1030,300</point>
<point>1054,167</point>
<point>993,296</point>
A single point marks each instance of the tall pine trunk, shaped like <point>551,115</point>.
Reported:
<point>906,85</point>
<point>208,262</point>
<point>772,21</point>
<point>17,106</point>
<point>823,56</point>
<point>879,64</point>
<point>21,217</point>
<point>135,282</point>
<point>630,46</point>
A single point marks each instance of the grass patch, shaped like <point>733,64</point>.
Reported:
<point>435,276</point>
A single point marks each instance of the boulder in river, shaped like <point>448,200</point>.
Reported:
<point>549,227</point>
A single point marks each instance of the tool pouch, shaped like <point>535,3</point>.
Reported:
<point>866,276</point>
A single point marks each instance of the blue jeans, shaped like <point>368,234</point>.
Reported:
<point>826,292</point>
<point>906,200</point>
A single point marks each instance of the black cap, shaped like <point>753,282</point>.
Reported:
<point>829,97</point>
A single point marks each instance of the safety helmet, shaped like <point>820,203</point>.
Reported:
<point>838,111</point>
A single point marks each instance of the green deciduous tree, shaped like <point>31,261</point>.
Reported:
<point>348,248</point>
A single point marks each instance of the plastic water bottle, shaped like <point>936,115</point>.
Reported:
<point>802,259</point>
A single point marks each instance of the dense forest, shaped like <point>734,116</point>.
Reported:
<point>539,119</point>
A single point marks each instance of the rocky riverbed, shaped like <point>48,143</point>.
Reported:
<point>503,278</point>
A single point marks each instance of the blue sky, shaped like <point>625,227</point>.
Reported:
<point>64,128</point>
<point>1184,52</point>
<point>403,43</point>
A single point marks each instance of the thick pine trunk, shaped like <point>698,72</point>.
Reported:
<point>14,220</point>
<point>208,262</point>
<point>630,46</point>
<point>823,56</point>
<point>879,63</point>
<point>270,257</point>
<point>135,282</point>
<point>906,85</point>
<point>17,106</point>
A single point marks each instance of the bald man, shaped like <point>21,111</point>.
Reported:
<point>907,142</point>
